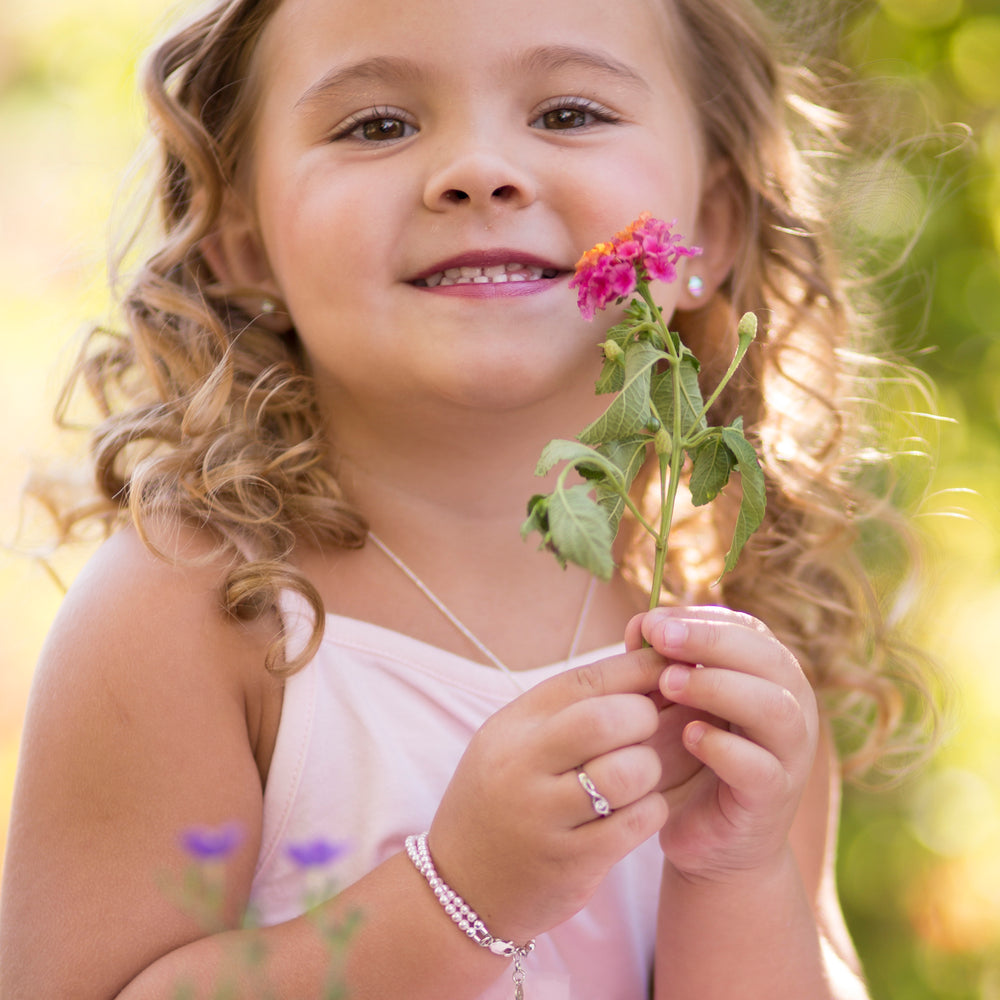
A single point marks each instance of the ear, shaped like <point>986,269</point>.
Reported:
<point>717,232</point>
<point>235,253</point>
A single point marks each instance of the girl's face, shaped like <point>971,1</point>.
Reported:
<point>397,144</point>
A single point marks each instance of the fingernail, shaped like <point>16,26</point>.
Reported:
<point>694,733</point>
<point>677,678</point>
<point>675,634</point>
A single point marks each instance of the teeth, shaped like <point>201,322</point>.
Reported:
<point>495,274</point>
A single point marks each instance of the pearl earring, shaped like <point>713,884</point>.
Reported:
<point>696,286</point>
<point>267,306</point>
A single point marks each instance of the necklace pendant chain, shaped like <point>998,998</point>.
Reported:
<point>463,629</point>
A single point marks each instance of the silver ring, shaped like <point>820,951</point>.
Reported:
<point>601,805</point>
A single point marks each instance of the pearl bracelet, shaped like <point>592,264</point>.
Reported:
<point>464,917</point>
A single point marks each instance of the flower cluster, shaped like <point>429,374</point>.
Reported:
<point>202,895</point>
<point>656,407</point>
<point>609,272</point>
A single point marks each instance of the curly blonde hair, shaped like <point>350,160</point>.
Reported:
<point>210,416</point>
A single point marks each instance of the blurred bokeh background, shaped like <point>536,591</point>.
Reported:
<point>920,863</point>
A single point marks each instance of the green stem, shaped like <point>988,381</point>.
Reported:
<point>668,483</point>
<point>666,519</point>
<point>637,514</point>
<point>657,317</point>
<point>723,382</point>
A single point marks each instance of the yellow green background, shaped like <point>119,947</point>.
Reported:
<point>919,865</point>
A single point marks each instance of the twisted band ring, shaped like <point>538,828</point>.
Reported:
<point>601,805</point>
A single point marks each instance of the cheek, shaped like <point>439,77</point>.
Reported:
<point>322,230</point>
<point>647,178</point>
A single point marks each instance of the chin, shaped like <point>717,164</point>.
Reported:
<point>514,382</point>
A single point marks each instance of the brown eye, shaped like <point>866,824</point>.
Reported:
<point>573,114</point>
<point>381,129</point>
<point>564,118</point>
<point>375,126</point>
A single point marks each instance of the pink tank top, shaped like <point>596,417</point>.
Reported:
<point>371,731</point>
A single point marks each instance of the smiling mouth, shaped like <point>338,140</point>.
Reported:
<point>495,274</point>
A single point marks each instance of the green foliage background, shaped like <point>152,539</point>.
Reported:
<point>920,864</point>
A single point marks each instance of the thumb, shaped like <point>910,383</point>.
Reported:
<point>633,633</point>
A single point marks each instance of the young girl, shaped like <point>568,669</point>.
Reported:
<point>318,621</point>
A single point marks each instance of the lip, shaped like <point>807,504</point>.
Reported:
<point>491,258</point>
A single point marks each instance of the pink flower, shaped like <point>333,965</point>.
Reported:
<point>610,271</point>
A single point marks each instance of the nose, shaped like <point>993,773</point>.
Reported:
<point>480,177</point>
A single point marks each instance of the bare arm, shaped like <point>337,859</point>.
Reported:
<point>748,901</point>
<point>775,932</point>
<point>136,729</point>
<point>143,723</point>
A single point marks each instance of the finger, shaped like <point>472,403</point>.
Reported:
<point>676,765</point>
<point>754,777</point>
<point>704,612</point>
<point>620,778</point>
<point>633,633</point>
<point>586,729</point>
<point>730,643</point>
<point>636,673</point>
<point>766,713</point>
<point>626,828</point>
<point>636,639</point>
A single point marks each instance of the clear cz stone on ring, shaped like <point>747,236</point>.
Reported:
<point>601,805</point>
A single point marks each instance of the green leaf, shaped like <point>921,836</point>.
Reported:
<point>587,460</point>
<point>622,333</point>
<point>662,395</point>
<point>611,379</point>
<point>752,479</point>
<point>713,463</point>
<point>637,313</point>
<point>580,532</point>
<point>628,456</point>
<point>629,411</point>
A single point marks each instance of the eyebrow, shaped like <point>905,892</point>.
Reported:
<point>556,57</point>
<point>379,69</point>
<point>544,58</point>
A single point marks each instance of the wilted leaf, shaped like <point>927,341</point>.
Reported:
<point>538,517</point>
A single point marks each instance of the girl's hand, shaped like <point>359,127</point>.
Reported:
<point>750,748</point>
<point>516,834</point>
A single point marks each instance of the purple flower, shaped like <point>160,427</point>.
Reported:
<point>316,853</point>
<point>205,843</point>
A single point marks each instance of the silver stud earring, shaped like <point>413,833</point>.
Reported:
<point>696,286</point>
<point>267,306</point>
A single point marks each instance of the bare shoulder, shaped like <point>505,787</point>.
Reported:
<point>140,725</point>
<point>185,580</point>
<point>155,625</point>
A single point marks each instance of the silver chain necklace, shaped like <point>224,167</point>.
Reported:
<point>464,630</point>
